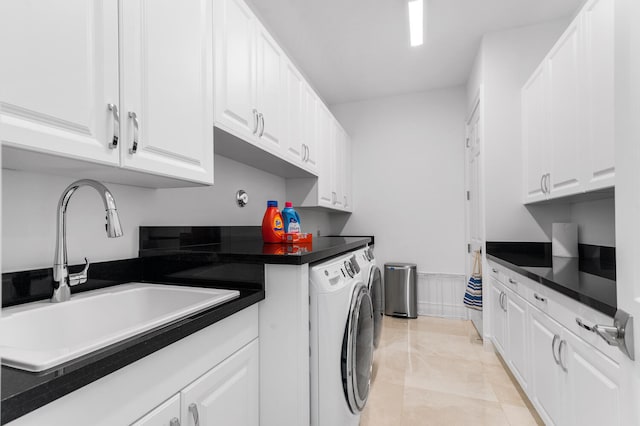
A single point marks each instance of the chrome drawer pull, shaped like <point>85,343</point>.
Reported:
<point>540,298</point>
<point>564,368</point>
<point>511,281</point>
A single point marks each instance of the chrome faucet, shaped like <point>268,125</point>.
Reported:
<point>61,277</point>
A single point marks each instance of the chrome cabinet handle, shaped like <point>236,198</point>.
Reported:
<point>553,348</point>
<point>136,129</point>
<point>306,153</point>
<point>495,271</point>
<point>261,117</point>
<point>174,422</point>
<point>542,184</point>
<point>193,409</point>
<point>539,298</point>
<point>502,295</point>
<point>512,281</point>
<point>334,198</point>
<point>560,363</point>
<point>116,126</point>
<point>547,179</point>
<point>345,201</point>
<point>255,121</point>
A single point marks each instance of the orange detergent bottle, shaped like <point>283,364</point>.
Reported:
<point>272,225</point>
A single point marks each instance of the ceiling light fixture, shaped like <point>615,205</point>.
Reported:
<point>415,22</point>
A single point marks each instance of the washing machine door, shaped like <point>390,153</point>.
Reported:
<point>357,349</point>
<point>377,300</point>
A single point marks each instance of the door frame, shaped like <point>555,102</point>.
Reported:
<point>476,110</point>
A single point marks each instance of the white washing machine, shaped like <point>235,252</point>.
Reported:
<point>372,276</point>
<point>341,340</point>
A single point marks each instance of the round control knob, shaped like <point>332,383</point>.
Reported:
<point>349,268</point>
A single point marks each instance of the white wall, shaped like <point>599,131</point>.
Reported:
<point>29,203</point>
<point>408,180</point>
<point>596,222</point>
<point>506,61</point>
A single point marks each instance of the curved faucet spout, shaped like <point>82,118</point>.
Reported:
<point>61,277</point>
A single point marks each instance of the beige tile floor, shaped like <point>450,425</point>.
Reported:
<point>434,371</point>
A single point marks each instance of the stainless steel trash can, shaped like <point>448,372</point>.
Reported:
<point>400,290</point>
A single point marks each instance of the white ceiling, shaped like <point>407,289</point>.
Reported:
<point>359,49</point>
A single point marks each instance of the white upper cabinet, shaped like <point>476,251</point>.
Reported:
<point>598,30</point>
<point>565,132</point>
<point>293,114</point>
<point>300,118</point>
<point>59,79</point>
<point>535,140</point>
<point>311,144</point>
<point>346,175</point>
<point>270,91</point>
<point>249,77</point>
<point>167,95</point>
<point>568,111</point>
<point>326,135</point>
<point>105,82</point>
<point>235,96</point>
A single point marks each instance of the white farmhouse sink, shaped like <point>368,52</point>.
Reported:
<point>41,335</point>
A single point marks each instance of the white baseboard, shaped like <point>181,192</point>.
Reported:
<point>441,295</point>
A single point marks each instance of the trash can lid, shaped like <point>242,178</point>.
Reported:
<point>400,265</point>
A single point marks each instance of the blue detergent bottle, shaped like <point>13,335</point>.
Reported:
<point>291,219</point>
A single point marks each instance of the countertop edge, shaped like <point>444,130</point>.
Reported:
<point>29,400</point>
<point>589,301</point>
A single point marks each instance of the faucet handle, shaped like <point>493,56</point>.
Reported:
<point>80,277</point>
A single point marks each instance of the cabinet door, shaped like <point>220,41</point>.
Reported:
<point>163,415</point>
<point>346,175</point>
<point>167,83</point>
<point>498,325</point>
<point>235,101</point>
<point>518,337</point>
<point>269,91</point>
<point>547,377</point>
<point>294,114</point>
<point>593,384</point>
<point>536,153</point>
<point>325,136</point>
<point>598,33</point>
<point>59,73</point>
<point>226,395</point>
<point>310,126</point>
<point>566,133</point>
<point>337,164</point>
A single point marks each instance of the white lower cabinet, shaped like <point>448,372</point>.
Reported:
<point>498,315</point>
<point>546,375</point>
<point>568,380</point>
<point>226,395</point>
<point>593,384</point>
<point>517,337</point>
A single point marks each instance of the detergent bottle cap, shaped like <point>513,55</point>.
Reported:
<point>272,203</point>
<point>288,204</point>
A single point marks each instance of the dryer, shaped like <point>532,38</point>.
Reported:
<point>372,276</point>
<point>341,342</point>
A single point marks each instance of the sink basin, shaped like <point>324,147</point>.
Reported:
<point>42,335</point>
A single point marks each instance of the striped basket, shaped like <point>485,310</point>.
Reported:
<point>473,293</point>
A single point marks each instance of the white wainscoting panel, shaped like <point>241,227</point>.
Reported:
<point>441,295</point>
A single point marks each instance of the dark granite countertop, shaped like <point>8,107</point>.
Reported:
<point>589,279</point>
<point>241,244</point>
